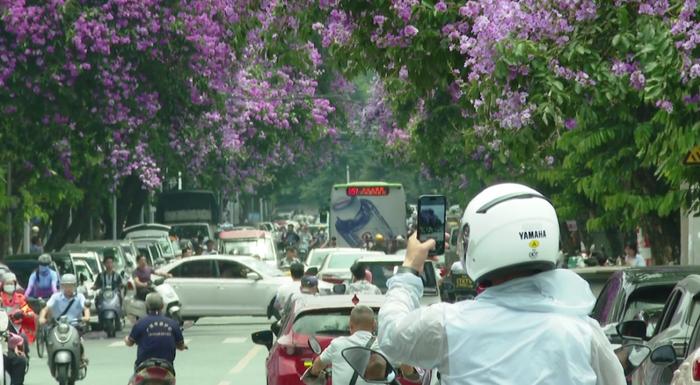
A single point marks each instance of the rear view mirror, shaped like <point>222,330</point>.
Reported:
<point>312,271</point>
<point>339,288</point>
<point>632,356</point>
<point>315,345</point>
<point>253,276</point>
<point>664,355</point>
<point>370,365</point>
<point>263,337</point>
<point>635,329</point>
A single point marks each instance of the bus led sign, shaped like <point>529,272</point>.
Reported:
<point>355,191</point>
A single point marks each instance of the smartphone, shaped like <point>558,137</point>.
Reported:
<point>431,221</point>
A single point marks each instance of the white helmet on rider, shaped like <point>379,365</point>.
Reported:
<point>9,283</point>
<point>69,279</point>
<point>508,228</point>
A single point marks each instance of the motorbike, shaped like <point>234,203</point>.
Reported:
<point>136,308</point>
<point>154,371</point>
<point>63,350</point>
<point>110,312</point>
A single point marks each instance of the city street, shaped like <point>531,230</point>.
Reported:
<point>220,353</point>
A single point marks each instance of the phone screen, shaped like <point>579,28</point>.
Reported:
<point>431,221</point>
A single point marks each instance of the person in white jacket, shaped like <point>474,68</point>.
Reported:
<point>529,326</point>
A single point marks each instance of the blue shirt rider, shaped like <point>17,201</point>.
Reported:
<point>43,282</point>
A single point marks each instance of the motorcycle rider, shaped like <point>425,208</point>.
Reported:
<point>157,336</point>
<point>70,303</point>
<point>290,238</point>
<point>290,257</point>
<point>142,277</point>
<point>43,282</point>
<point>360,283</point>
<point>379,244</point>
<point>531,319</point>
<point>108,280</point>
<point>15,303</point>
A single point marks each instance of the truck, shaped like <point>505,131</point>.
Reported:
<point>191,214</point>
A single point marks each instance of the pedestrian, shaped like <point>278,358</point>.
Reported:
<point>210,248</point>
<point>36,247</point>
<point>632,256</point>
<point>360,284</point>
<point>290,257</point>
<point>362,325</point>
<point>331,244</point>
<point>528,312</point>
<point>285,291</point>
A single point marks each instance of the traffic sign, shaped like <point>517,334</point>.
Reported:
<point>693,157</point>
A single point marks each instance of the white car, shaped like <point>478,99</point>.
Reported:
<point>316,256</point>
<point>336,267</point>
<point>224,285</point>
<point>86,278</point>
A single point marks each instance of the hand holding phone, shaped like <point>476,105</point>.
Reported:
<point>431,221</point>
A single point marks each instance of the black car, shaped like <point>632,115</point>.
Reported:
<point>637,293</point>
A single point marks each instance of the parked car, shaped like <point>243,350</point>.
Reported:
<point>336,266</point>
<point>384,267</point>
<point>632,292</point>
<point>679,316</point>
<point>598,276</point>
<point>249,242</point>
<point>316,256</point>
<point>101,248</point>
<point>224,285</point>
<point>86,278</point>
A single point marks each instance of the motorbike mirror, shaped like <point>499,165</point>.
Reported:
<point>253,276</point>
<point>315,345</point>
<point>263,337</point>
<point>339,288</point>
<point>631,356</point>
<point>632,329</point>
<point>664,355</point>
<point>370,365</point>
<point>4,321</point>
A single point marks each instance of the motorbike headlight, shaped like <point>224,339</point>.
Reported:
<point>63,328</point>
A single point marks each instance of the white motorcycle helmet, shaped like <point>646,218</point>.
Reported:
<point>508,228</point>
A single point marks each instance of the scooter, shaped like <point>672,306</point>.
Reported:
<point>110,311</point>
<point>136,308</point>
<point>154,371</point>
<point>64,358</point>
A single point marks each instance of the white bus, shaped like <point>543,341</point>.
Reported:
<point>366,209</point>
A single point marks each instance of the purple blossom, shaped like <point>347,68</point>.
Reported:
<point>403,73</point>
<point>637,80</point>
<point>570,124</point>
<point>665,105</point>
<point>440,6</point>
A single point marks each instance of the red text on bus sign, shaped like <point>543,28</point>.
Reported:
<point>355,191</point>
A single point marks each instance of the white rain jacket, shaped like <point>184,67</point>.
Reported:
<point>532,330</point>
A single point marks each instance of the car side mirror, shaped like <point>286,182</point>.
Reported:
<point>312,271</point>
<point>664,355</point>
<point>315,345</point>
<point>263,337</point>
<point>253,276</point>
<point>339,288</point>
<point>631,357</point>
<point>369,365</point>
<point>634,329</point>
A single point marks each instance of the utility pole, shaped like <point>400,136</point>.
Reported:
<point>9,210</point>
<point>114,217</point>
<point>179,180</point>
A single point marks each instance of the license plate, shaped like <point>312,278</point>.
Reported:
<point>308,364</point>
<point>463,283</point>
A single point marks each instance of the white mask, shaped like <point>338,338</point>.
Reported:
<point>9,288</point>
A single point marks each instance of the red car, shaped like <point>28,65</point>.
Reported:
<point>325,317</point>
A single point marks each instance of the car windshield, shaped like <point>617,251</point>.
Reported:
<point>342,261</point>
<point>83,269</point>
<point>333,322</point>
<point>190,231</point>
<point>260,246</point>
<point>92,262</point>
<point>316,258</point>
<point>264,268</point>
<point>166,246</point>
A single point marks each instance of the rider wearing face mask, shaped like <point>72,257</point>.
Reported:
<point>43,282</point>
<point>15,302</point>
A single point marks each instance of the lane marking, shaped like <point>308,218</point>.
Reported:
<point>235,340</point>
<point>224,383</point>
<point>246,360</point>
